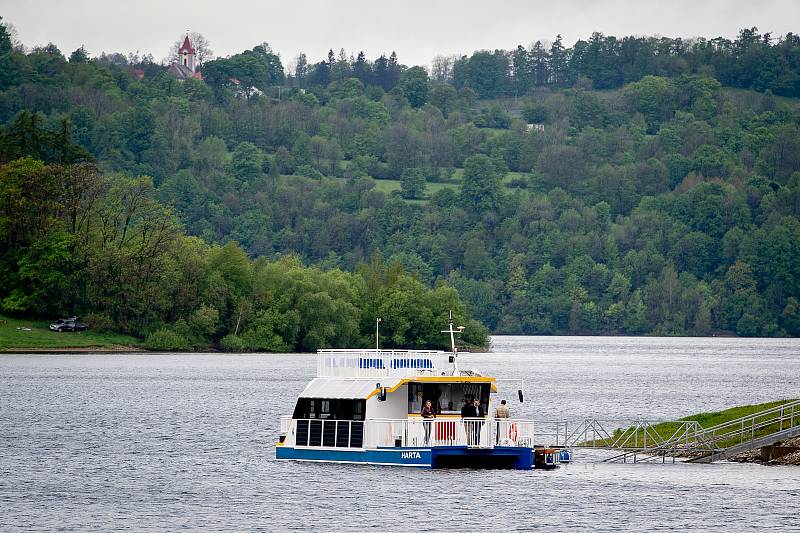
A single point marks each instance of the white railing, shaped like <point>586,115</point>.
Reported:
<point>411,432</point>
<point>381,363</point>
<point>286,421</point>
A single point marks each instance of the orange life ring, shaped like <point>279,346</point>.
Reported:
<point>512,431</point>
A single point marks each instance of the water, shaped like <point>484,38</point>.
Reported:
<point>185,441</point>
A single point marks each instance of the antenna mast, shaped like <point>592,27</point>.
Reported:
<point>452,333</point>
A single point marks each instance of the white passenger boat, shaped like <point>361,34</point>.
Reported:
<point>364,406</point>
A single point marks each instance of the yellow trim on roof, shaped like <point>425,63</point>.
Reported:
<point>439,379</point>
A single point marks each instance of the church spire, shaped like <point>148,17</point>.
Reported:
<point>186,53</point>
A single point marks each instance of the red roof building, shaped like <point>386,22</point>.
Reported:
<point>186,54</point>
<point>186,46</point>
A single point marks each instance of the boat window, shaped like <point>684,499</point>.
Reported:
<point>329,409</point>
<point>331,433</point>
<point>447,398</point>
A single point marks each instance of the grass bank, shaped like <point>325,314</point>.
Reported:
<point>665,430</point>
<point>31,335</point>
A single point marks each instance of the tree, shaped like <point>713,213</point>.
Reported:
<point>477,261</point>
<point>246,162</point>
<point>485,72</point>
<point>521,69</point>
<point>380,71</point>
<point>341,68</point>
<point>79,56</point>
<point>28,135</point>
<point>414,85</point>
<point>442,68</point>
<point>654,97</point>
<point>258,68</point>
<point>5,38</point>
<point>535,113</point>
<point>362,70</point>
<point>444,97</point>
<point>539,64</point>
<point>8,67</point>
<point>635,319</point>
<point>412,183</point>
<point>321,76</point>
<point>558,63</point>
<point>393,69</point>
<point>301,70</point>
<point>480,190</point>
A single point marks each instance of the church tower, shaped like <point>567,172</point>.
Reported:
<point>186,54</point>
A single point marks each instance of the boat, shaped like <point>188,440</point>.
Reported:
<point>365,405</point>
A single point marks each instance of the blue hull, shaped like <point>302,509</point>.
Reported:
<point>438,457</point>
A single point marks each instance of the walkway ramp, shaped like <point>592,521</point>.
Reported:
<point>756,443</point>
<point>646,441</point>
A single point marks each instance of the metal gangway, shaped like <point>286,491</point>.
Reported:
<point>644,440</point>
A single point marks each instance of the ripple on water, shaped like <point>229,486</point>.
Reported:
<point>169,441</point>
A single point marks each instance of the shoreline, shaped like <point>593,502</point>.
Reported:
<point>75,350</point>
<point>766,455</point>
<point>112,348</point>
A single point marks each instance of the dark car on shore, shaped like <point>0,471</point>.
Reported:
<point>68,324</point>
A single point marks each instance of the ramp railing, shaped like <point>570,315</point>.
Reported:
<point>684,437</point>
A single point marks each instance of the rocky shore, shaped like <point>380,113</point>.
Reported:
<point>783,453</point>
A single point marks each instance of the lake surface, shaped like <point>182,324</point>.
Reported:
<point>185,441</point>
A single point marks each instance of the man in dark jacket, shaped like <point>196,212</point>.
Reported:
<point>469,411</point>
<point>477,425</point>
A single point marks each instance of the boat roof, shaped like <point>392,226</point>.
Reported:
<point>342,388</point>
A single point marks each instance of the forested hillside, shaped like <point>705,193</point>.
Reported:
<point>635,185</point>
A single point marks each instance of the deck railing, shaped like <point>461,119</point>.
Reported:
<point>381,363</point>
<point>411,432</point>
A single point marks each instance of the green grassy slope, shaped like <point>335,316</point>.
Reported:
<point>666,430</point>
<point>14,336</point>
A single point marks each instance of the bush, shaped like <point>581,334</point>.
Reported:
<point>308,171</point>
<point>204,321</point>
<point>232,343</point>
<point>494,117</point>
<point>256,340</point>
<point>536,113</point>
<point>167,340</point>
<point>99,322</point>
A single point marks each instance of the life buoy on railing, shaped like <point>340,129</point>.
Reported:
<point>512,431</point>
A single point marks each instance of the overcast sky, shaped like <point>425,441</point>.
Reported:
<point>417,30</point>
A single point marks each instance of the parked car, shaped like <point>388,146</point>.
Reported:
<point>68,324</point>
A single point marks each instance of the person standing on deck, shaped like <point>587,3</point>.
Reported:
<point>478,424</point>
<point>428,414</point>
<point>468,411</point>
<point>502,412</point>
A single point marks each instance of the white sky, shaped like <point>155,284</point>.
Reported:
<point>417,30</point>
